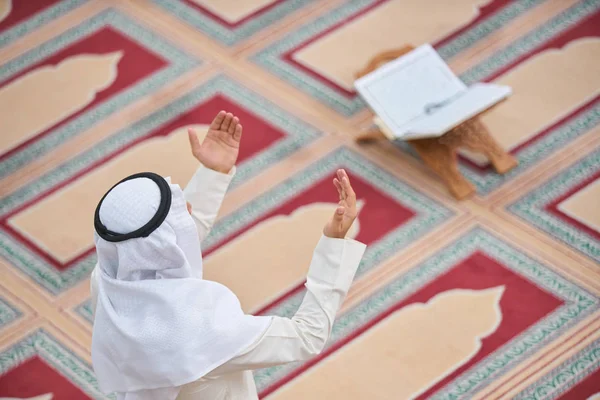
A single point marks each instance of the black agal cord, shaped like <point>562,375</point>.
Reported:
<point>146,230</point>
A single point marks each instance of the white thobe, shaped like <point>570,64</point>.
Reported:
<point>330,275</point>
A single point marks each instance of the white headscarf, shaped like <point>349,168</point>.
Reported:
<point>158,324</point>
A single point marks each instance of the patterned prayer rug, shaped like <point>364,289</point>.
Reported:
<point>496,297</point>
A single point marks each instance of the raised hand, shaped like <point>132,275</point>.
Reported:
<point>346,212</point>
<point>220,148</point>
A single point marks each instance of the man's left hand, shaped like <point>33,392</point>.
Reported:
<point>220,148</point>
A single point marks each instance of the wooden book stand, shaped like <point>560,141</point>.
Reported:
<point>440,153</point>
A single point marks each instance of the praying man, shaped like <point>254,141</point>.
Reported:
<point>161,331</point>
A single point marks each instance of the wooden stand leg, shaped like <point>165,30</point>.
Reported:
<point>475,136</point>
<point>371,135</point>
<point>442,160</point>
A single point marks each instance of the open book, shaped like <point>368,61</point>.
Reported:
<point>418,96</point>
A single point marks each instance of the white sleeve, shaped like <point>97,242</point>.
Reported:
<point>330,275</point>
<point>205,192</point>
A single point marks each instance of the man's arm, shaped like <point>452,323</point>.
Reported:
<point>330,275</point>
<point>205,193</point>
<point>217,154</point>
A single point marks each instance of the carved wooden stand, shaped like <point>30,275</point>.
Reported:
<point>440,153</point>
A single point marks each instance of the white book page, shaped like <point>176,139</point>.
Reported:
<point>400,91</point>
<point>475,100</point>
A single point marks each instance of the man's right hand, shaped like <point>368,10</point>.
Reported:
<point>346,212</point>
<point>220,148</point>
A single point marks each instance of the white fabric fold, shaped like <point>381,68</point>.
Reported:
<point>158,324</point>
